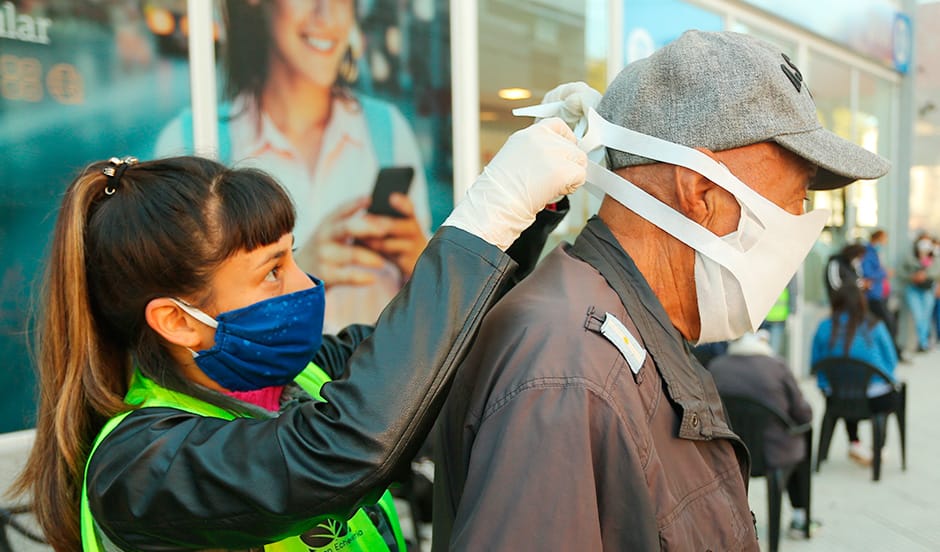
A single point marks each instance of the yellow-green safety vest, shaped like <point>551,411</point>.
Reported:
<point>781,309</point>
<point>358,534</point>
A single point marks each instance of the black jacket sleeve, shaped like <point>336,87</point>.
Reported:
<point>525,251</point>
<point>164,479</point>
<point>335,351</point>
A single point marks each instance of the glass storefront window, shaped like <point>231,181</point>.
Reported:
<point>81,82</point>
<point>925,196</point>
<point>527,47</point>
<point>787,46</point>
<point>873,131</point>
<point>651,24</point>
<point>830,82</point>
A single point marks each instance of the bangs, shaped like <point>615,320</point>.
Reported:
<point>253,210</point>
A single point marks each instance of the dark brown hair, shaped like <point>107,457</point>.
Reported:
<point>163,232</point>
<point>848,300</point>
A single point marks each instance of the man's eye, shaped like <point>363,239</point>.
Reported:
<point>273,274</point>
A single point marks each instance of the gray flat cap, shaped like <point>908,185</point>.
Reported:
<point>726,90</point>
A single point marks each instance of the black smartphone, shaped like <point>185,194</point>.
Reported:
<point>389,180</point>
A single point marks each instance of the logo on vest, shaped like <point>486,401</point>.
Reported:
<point>331,535</point>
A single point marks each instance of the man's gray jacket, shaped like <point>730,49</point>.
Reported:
<point>549,441</point>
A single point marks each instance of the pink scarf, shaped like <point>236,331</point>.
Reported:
<point>268,398</point>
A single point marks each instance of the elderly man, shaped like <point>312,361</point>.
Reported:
<point>580,419</point>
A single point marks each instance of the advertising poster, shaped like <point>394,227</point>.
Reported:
<point>80,81</point>
<point>322,94</point>
<point>344,102</point>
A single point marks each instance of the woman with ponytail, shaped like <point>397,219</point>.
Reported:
<point>182,364</point>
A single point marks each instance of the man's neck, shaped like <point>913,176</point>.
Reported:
<point>667,264</point>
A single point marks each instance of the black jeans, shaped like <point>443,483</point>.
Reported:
<point>881,403</point>
<point>796,484</point>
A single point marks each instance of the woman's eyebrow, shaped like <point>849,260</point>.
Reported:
<point>276,255</point>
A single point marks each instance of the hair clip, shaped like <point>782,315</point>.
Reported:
<point>116,171</point>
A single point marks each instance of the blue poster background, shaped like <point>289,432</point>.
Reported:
<point>102,86</point>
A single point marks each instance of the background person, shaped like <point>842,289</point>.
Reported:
<point>920,272</point>
<point>845,269</point>
<point>851,331</point>
<point>177,404</point>
<point>751,369</point>
<point>936,303</point>
<point>878,289</point>
<point>291,111</point>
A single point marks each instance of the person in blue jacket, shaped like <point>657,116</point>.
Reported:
<point>878,284</point>
<point>852,331</point>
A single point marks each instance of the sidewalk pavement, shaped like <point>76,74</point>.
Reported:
<point>901,512</point>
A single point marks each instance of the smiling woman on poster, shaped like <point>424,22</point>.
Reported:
<point>291,111</point>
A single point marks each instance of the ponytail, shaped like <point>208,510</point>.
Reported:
<point>81,373</point>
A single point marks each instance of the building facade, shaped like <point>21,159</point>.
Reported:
<point>86,80</point>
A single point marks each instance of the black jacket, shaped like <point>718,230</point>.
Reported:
<point>165,479</point>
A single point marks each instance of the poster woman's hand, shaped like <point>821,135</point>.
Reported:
<point>401,240</point>
<point>333,255</point>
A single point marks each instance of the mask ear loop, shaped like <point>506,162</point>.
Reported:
<point>195,313</point>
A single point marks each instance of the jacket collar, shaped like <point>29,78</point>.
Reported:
<point>688,384</point>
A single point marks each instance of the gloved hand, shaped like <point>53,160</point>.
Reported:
<point>578,97</point>
<point>534,166</point>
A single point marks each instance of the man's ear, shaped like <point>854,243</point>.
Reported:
<point>703,201</point>
<point>168,320</point>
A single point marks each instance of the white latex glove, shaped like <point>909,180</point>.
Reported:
<point>578,97</point>
<point>534,166</point>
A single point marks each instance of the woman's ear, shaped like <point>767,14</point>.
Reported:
<point>168,319</point>
<point>705,202</point>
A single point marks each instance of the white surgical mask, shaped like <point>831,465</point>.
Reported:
<point>739,276</point>
<point>924,246</point>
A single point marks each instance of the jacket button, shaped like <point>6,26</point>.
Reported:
<point>694,420</point>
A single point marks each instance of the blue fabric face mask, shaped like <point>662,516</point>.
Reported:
<point>264,344</point>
